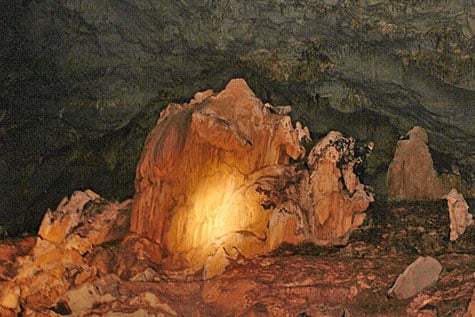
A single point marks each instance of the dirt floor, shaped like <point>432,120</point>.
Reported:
<point>307,280</point>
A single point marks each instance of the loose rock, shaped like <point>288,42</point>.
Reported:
<point>420,274</point>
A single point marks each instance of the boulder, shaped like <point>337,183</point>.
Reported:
<point>86,214</point>
<point>459,215</point>
<point>423,272</point>
<point>411,174</point>
<point>58,224</point>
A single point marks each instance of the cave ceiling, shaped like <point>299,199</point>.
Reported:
<point>83,82</point>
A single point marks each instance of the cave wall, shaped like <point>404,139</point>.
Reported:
<point>83,81</point>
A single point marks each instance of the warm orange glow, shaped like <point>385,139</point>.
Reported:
<point>215,182</point>
<point>219,207</point>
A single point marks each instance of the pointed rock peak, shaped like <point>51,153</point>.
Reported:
<point>418,133</point>
<point>411,174</point>
<point>239,85</point>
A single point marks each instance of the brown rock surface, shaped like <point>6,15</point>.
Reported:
<point>215,181</point>
<point>303,279</point>
<point>411,174</point>
<point>471,307</point>
<point>217,190</point>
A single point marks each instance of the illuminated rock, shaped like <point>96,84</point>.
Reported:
<point>411,174</point>
<point>101,221</point>
<point>56,225</point>
<point>338,198</point>
<point>195,182</point>
<point>459,216</point>
<point>59,259</point>
<point>216,181</point>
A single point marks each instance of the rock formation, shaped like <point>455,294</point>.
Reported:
<point>215,181</point>
<point>471,307</point>
<point>411,174</point>
<point>59,259</point>
<point>459,215</point>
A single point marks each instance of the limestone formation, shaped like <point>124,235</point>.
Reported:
<point>338,198</point>
<point>460,218</point>
<point>81,80</point>
<point>99,224</point>
<point>59,259</point>
<point>216,181</point>
<point>411,174</point>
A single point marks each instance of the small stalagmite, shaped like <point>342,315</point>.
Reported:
<point>411,174</point>
<point>460,218</point>
<point>225,176</point>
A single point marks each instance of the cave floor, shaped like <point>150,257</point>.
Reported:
<point>308,280</point>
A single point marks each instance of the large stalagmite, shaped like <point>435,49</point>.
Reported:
<point>216,181</point>
<point>411,174</point>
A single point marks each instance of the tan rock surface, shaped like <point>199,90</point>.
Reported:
<point>59,261</point>
<point>338,198</point>
<point>421,273</point>
<point>459,214</point>
<point>56,225</point>
<point>99,224</point>
<point>215,181</point>
<point>411,174</point>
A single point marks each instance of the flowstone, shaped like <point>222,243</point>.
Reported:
<point>225,176</point>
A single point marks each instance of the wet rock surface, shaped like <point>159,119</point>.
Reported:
<point>82,82</point>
